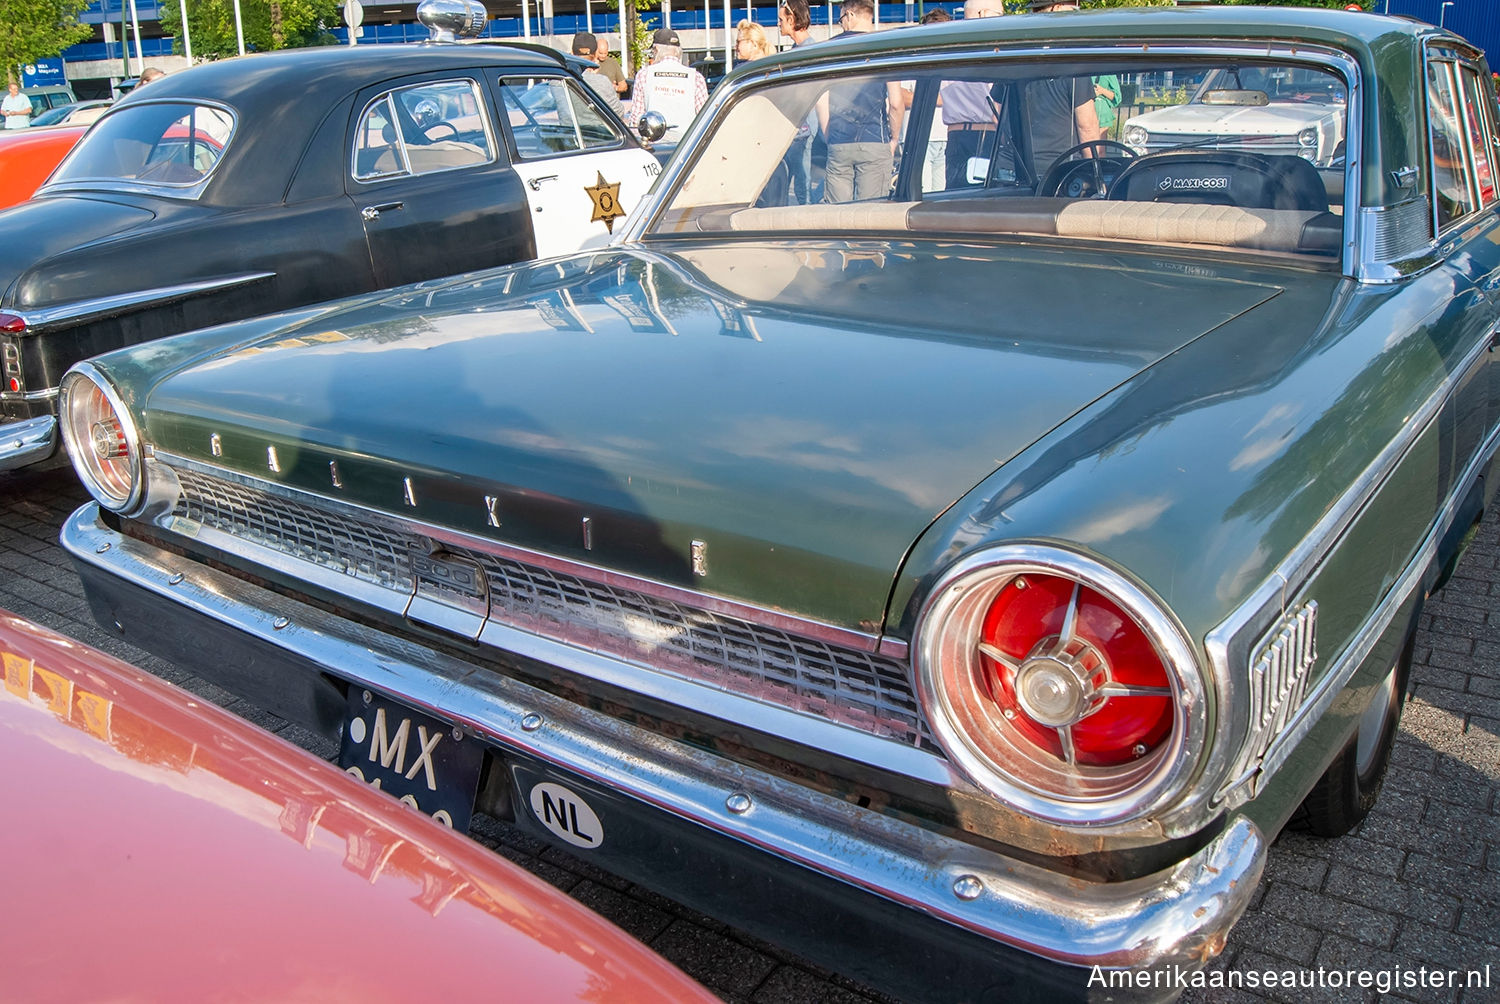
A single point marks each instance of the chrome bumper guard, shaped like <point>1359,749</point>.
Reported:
<point>1178,917</point>
<point>27,442</point>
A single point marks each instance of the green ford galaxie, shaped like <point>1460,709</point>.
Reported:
<point>936,535</point>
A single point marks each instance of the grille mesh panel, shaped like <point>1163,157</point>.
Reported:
<point>855,688</point>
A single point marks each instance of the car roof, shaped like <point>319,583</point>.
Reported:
<point>267,83</point>
<point>282,98</point>
<point>1349,30</point>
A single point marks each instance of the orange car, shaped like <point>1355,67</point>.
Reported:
<point>160,848</point>
<point>27,157</point>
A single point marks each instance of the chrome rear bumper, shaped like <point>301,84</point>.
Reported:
<point>27,442</point>
<point>1178,917</point>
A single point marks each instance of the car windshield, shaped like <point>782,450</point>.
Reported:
<point>1248,154</point>
<point>171,145</point>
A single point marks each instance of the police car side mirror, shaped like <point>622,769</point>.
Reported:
<point>652,127</point>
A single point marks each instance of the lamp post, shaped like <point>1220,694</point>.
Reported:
<point>1443,12</point>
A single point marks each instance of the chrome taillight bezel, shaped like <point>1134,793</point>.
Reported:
<point>946,659</point>
<point>77,430</point>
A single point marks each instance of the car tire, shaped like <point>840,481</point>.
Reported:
<point>1346,792</point>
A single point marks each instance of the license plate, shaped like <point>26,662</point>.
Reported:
<point>421,761</point>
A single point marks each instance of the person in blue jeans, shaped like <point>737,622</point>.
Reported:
<point>860,122</point>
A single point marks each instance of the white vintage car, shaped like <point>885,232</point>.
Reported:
<point>1265,110</point>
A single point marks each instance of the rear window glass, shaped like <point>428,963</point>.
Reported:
<point>1241,153</point>
<point>169,145</point>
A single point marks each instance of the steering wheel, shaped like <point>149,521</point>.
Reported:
<point>429,130</point>
<point>1064,167</point>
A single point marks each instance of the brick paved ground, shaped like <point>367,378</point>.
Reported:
<point>1418,884</point>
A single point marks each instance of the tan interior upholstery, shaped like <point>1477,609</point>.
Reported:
<point>1153,222</point>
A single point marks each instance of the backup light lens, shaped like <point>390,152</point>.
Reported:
<point>101,440</point>
<point>1059,686</point>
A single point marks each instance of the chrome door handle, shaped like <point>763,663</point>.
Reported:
<point>373,212</point>
<point>536,183</point>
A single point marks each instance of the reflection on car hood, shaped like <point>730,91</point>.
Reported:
<point>34,231</point>
<point>1272,120</point>
<point>807,410</point>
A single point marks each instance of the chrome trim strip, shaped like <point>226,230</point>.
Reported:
<point>1370,632</point>
<point>1179,916</point>
<point>792,624</point>
<point>1298,567</point>
<point>27,442</point>
<point>50,394</point>
<point>38,321</point>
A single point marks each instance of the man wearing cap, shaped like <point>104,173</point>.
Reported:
<point>667,86</point>
<point>585,45</point>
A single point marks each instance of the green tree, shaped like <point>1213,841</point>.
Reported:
<point>35,29</point>
<point>268,24</point>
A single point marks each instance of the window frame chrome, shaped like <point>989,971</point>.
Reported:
<point>622,137</point>
<point>476,89</point>
<point>191,191</point>
<point>1334,60</point>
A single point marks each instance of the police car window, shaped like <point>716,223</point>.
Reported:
<point>421,130</point>
<point>551,115</point>
<point>169,145</point>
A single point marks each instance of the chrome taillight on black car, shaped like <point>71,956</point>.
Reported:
<point>1059,686</point>
<point>10,354</point>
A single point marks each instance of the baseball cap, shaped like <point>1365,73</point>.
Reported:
<point>584,44</point>
<point>665,36</point>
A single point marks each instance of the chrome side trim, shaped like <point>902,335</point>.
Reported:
<point>1395,242</point>
<point>1228,644</point>
<point>50,394</point>
<point>1179,916</point>
<point>1358,650</point>
<point>1279,675</point>
<point>27,442</point>
<point>40,320</point>
<point>791,623</point>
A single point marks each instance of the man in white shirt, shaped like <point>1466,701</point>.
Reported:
<point>17,108</point>
<point>667,86</point>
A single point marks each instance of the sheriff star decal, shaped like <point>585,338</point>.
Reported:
<point>606,198</point>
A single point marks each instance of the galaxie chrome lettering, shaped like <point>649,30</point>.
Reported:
<point>408,493</point>
<point>492,509</point>
<point>334,475</point>
<point>272,460</point>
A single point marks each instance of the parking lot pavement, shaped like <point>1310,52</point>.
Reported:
<point>1413,892</point>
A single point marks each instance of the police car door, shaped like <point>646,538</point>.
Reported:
<point>582,173</point>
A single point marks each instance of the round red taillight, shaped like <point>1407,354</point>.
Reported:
<point>1060,686</point>
<point>1073,673</point>
<point>13,384</point>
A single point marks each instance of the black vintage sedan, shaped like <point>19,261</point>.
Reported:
<point>259,184</point>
